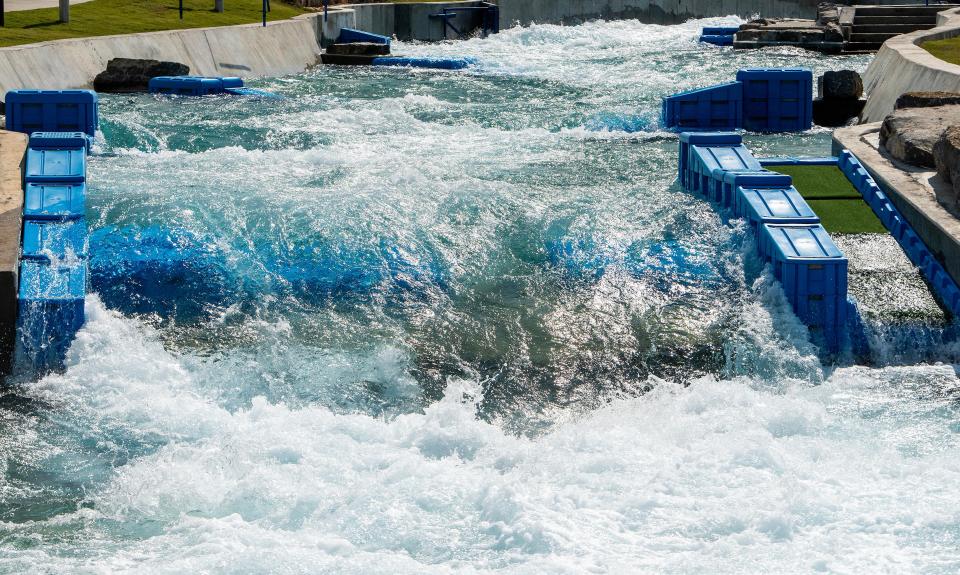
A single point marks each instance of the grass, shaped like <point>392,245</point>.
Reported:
<point>947,50</point>
<point>834,199</point>
<point>106,17</point>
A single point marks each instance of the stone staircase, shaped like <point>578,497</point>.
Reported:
<point>874,25</point>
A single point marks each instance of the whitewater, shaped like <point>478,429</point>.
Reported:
<point>421,322</point>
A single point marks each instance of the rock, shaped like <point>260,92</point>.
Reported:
<point>926,100</point>
<point>946,155</point>
<point>359,49</point>
<point>133,75</point>
<point>840,85</point>
<point>909,135</point>
<point>832,32</point>
<point>836,113</point>
<point>828,13</point>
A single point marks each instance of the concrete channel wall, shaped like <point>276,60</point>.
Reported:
<point>902,65</point>
<point>13,147</point>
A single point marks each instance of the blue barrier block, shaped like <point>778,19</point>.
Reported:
<point>31,111</point>
<point>777,100</point>
<point>59,140</point>
<point>717,40</point>
<point>50,311</point>
<point>351,35</point>
<point>185,85</point>
<point>713,108</point>
<point>813,273</point>
<point>688,139</point>
<point>772,206</point>
<point>54,201</point>
<point>722,186</point>
<point>435,63</point>
<point>720,30</point>
<point>704,160</point>
<point>230,82</point>
<point>791,161</point>
<point>59,166</point>
<point>253,92</point>
<point>56,240</point>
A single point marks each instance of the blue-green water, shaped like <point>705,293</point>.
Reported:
<point>422,322</point>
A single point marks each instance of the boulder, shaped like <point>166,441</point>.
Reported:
<point>927,100</point>
<point>910,134</point>
<point>832,32</point>
<point>836,113</point>
<point>840,84</point>
<point>946,155</point>
<point>359,49</point>
<point>133,75</point>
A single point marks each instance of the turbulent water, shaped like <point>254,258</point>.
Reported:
<point>432,322</point>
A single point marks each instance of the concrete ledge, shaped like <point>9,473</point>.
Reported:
<point>902,65</point>
<point>913,191</point>
<point>13,146</point>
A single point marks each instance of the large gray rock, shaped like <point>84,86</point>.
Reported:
<point>926,100</point>
<point>133,75</point>
<point>946,154</point>
<point>910,134</point>
<point>840,85</point>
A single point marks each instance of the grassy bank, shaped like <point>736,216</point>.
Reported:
<point>947,50</point>
<point>106,17</point>
<point>832,197</point>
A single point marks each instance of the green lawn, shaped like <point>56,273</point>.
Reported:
<point>947,50</point>
<point>833,198</point>
<point>106,17</point>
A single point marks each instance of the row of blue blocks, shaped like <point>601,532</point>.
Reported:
<point>943,285</point>
<point>760,100</point>
<point>806,262</point>
<point>719,35</point>
<point>53,266</point>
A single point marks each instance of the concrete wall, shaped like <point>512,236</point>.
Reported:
<point>284,47</point>
<point>902,65</point>
<point>13,146</point>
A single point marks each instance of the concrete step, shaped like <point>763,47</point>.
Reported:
<point>901,10</point>
<point>861,47</point>
<point>894,20</point>
<point>874,38</point>
<point>889,28</point>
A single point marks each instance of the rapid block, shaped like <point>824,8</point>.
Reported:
<point>689,139</point>
<point>187,85</point>
<point>717,39</point>
<point>54,240</point>
<point>351,35</point>
<point>54,165</point>
<point>720,30</point>
<point>813,273</point>
<point>435,63</point>
<point>704,160</point>
<point>772,206</point>
<point>54,201</point>
<point>31,111</point>
<point>50,310</point>
<point>722,186</point>
<point>713,108</point>
<point>59,140</point>
<point>777,100</point>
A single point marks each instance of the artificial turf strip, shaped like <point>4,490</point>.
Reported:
<point>947,50</point>
<point>819,181</point>
<point>105,17</point>
<point>847,216</point>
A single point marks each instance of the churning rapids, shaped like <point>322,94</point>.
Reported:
<point>421,322</point>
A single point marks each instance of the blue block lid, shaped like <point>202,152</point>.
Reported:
<point>57,240</point>
<point>41,281</point>
<point>784,204</point>
<point>808,242</point>
<point>230,82</point>
<point>54,201</point>
<point>64,140</point>
<point>757,178</point>
<point>55,165</point>
<point>729,138</point>
<point>51,96</point>
<point>727,158</point>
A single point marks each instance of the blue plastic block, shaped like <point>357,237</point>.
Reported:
<point>54,240</point>
<point>713,108</point>
<point>772,206</point>
<point>31,111</point>
<point>720,30</point>
<point>253,92</point>
<point>436,63</point>
<point>60,140</point>
<point>185,85</point>
<point>704,160</point>
<point>717,40</point>
<point>351,35</point>
<point>777,100</point>
<point>722,186</point>
<point>813,273</point>
<point>230,82</point>
<point>50,311</point>
<point>792,161</point>
<point>688,139</point>
<point>61,166</point>
<point>54,201</point>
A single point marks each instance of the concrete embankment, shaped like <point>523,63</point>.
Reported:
<point>902,66</point>
<point>13,146</point>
